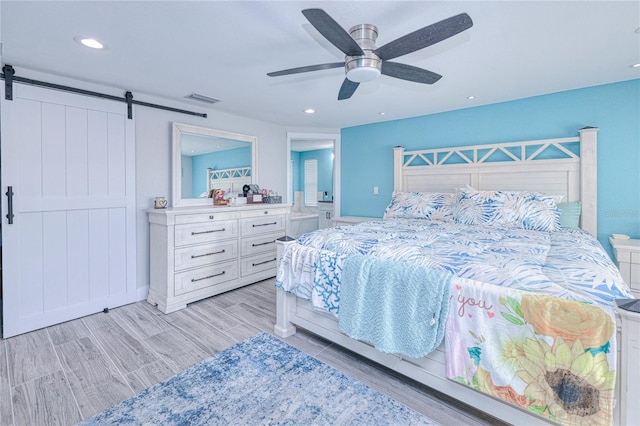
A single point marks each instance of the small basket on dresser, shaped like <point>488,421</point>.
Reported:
<point>272,199</point>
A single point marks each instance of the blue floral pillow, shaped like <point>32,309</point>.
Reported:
<point>420,205</point>
<point>507,209</point>
<point>541,213</point>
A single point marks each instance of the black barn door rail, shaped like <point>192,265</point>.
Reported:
<point>9,76</point>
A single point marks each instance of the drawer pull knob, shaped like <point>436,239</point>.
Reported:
<point>265,224</point>
<point>208,232</point>
<point>262,244</point>
<point>193,280</point>
<point>194,256</point>
<point>211,217</point>
<point>262,263</point>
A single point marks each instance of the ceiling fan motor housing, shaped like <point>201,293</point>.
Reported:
<point>368,66</point>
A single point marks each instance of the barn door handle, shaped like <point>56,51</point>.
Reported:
<point>10,204</point>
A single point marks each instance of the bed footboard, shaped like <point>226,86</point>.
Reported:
<point>294,312</point>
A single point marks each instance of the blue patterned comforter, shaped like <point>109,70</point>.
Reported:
<point>570,263</point>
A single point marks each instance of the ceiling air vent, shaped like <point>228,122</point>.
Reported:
<point>202,98</point>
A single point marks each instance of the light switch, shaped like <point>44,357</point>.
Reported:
<point>375,190</point>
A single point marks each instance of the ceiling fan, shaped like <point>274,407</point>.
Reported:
<point>364,62</point>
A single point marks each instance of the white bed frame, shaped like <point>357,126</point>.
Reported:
<point>522,166</point>
<point>233,179</point>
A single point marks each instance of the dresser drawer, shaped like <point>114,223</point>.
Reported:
<point>260,244</point>
<point>205,232</point>
<point>259,263</point>
<point>264,212</point>
<point>209,276</point>
<point>262,225</point>
<point>182,219</point>
<point>205,254</point>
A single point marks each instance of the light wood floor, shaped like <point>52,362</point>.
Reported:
<point>68,372</point>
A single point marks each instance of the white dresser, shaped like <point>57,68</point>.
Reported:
<point>199,252</point>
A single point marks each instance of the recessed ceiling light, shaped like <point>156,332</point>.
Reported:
<point>471,97</point>
<point>381,113</point>
<point>310,111</point>
<point>637,31</point>
<point>89,42</point>
<point>636,65</point>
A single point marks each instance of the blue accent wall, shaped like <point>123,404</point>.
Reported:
<point>325,170</point>
<point>229,159</point>
<point>367,154</point>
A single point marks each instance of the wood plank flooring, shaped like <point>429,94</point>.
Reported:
<point>68,372</point>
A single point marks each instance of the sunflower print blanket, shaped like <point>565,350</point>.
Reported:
<point>530,314</point>
<point>551,356</point>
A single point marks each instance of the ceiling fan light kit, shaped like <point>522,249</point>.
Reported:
<point>364,62</point>
<point>366,67</point>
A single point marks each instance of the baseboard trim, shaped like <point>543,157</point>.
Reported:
<point>142,293</point>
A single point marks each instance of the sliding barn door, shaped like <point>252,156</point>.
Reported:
<point>68,246</point>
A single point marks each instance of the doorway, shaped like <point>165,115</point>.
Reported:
<point>324,148</point>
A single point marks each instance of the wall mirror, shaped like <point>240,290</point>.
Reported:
<point>206,158</point>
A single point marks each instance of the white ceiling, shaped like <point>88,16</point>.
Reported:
<point>223,49</point>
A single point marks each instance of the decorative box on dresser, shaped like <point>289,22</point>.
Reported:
<point>199,252</point>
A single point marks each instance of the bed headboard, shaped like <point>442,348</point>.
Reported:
<point>549,166</point>
<point>228,179</point>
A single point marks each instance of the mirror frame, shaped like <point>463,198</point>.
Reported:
<point>176,166</point>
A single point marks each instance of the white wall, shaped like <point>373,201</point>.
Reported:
<point>153,151</point>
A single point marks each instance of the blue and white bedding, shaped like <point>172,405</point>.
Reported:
<point>529,315</point>
<point>567,263</point>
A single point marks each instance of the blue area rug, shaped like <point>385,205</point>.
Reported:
<point>261,380</point>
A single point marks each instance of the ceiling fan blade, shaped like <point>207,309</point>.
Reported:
<point>347,89</point>
<point>424,37</point>
<point>408,72</point>
<point>306,69</point>
<point>332,31</point>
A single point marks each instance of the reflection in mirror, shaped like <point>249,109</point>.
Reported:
<point>205,159</point>
<point>302,151</point>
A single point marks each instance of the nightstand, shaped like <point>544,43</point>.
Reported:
<point>627,254</point>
